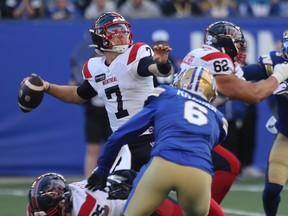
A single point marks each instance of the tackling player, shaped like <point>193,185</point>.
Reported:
<point>224,46</point>
<point>122,77</point>
<point>181,156</point>
<point>277,171</point>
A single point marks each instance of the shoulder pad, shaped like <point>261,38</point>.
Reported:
<point>157,91</point>
<point>139,51</point>
<point>268,64</point>
<point>85,71</point>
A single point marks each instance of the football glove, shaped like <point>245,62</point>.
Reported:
<point>96,182</point>
<point>281,89</point>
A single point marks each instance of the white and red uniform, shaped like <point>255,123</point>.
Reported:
<point>123,92</point>
<point>119,85</point>
<point>215,61</point>
<point>88,203</point>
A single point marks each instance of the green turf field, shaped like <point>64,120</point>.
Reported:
<point>244,199</point>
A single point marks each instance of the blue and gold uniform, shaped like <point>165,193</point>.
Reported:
<point>186,128</point>
<point>277,171</point>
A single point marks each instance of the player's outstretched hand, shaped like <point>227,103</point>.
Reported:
<point>96,182</point>
<point>161,53</point>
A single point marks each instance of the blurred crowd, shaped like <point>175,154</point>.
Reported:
<point>90,9</point>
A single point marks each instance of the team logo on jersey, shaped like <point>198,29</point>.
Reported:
<point>100,78</point>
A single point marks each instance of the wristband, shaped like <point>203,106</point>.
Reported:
<point>279,77</point>
<point>164,68</point>
<point>47,90</point>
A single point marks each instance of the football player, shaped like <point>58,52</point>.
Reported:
<point>50,195</point>
<point>277,171</point>
<point>181,155</point>
<point>223,49</point>
<point>122,77</point>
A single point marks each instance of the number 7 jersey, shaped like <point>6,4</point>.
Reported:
<point>119,85</point>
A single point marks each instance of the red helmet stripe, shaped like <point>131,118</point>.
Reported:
<point>34,193</point>
<point>86,71</point>
<point>87,206</point>
<point>133,53</point>
<point>215,55</point>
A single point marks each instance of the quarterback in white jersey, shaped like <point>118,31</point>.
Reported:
<point>122,76</point>
<point>120,86</point>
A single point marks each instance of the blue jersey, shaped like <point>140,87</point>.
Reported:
<point>262,70</point>
<point>186,128</point>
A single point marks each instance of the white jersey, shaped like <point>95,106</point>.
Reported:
<point>215,61</point>
<point>88,203</point>
<point>119,85</point>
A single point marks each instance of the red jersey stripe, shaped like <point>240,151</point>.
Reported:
<point>215,55</point>
<point>87,206</point>
<point>86,72</point>
<point>133,53</point>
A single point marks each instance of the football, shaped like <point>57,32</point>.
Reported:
<point>31,94</point>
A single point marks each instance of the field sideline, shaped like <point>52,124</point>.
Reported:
<point>244,198</point>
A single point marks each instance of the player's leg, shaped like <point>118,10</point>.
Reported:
<point>276,176</point>
<point>92,135</point>
<point>169,207</point>
<point>215,209</point>
<point>140,151</point>
<point>193,190</point>
<point>226,168</point>
<point>150,188</point>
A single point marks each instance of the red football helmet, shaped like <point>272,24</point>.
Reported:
<point>108,26</point>
<point>227,38</point>
<point>48,194</point>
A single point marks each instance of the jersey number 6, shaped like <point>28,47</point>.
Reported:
<point>195,113</point>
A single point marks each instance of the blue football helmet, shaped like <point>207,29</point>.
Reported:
<point>284,45</point>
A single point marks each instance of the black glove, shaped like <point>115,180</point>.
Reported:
<point>96,182</point>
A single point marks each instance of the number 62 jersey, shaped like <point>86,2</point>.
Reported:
<point>120,86</point>
<point>218,63</point>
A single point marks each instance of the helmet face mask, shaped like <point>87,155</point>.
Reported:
<point>198,80</point>
<point>284,44</point>
<point>111,32</point>
<point>226,37</point>
<point>48,194</point>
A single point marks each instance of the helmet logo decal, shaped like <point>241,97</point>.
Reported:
<point>209,39</point>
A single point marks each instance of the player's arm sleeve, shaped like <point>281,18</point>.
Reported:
<point>254,72</point>
<point>128,132</point>
<point>86,91</point>
<point>223,127</point>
